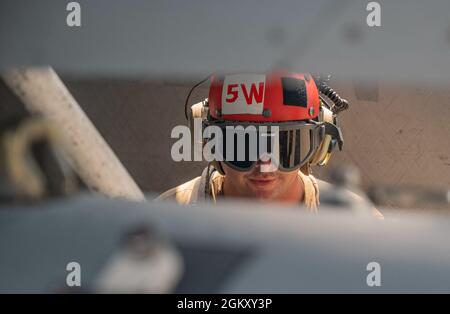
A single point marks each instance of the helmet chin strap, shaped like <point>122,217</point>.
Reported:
<point>306,169</point>
<point>218,166</point>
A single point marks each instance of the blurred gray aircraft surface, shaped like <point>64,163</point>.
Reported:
<point>229,249</point>
<point>140,38</point>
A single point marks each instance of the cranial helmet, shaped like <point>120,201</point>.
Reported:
<point>302,107</point>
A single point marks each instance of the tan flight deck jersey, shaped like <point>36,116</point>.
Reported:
<point>193,192</point>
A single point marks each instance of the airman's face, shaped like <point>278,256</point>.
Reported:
<point>277,185</point>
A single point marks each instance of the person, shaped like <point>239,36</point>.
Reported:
<point>302,106</point>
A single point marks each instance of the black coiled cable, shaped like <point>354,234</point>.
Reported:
<point>339,103</point>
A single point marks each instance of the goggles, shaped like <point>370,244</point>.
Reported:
<point>288,145</point>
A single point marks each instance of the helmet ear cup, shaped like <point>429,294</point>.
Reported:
<point>200,111</point>
<point>197,112</point>
<point>323,153</point>
<point>330,105</point>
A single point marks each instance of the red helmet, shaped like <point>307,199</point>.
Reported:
<point>303,113</point>
<point>271,97</point>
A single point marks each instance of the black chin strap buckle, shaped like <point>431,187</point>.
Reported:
<point>335,132</point>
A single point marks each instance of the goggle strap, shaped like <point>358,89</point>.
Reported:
<point>335,133</point>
